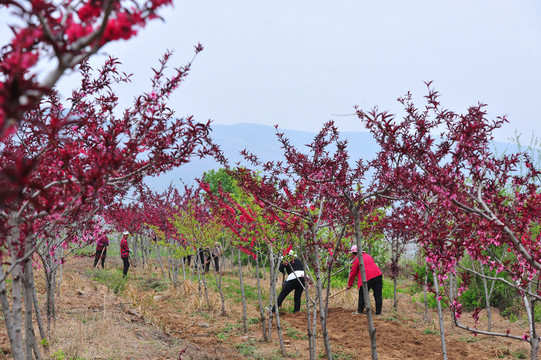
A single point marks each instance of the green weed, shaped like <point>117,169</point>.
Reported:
<point>431,331</point>
<point>247,348</point>
<point>232,291</point>
<point>58,355</point>
<point>392,318</point>
<point>295,334</point>
<point>229,328</point>
<point>388,289</point>
<point>430,299</point>
<point>111,278</point>
<point>469,339</point>
<point>223,336</point>
<point>254,320</point>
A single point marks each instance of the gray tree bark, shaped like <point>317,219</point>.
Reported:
<point>28,286</point>
<point>244,316</point>
<point>371,328</point>
<point>440,317</point>
<point>262,314</point>
<point>322,306</point>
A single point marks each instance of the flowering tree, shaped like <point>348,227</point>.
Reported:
<point>482,200</point>
<point>255,231</point>
<point>200,230</point>
<point>63,155</point>
<point>158,210</point>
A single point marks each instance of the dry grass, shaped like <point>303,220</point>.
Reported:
<point>94,323</point>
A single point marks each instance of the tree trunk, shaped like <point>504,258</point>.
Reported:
<point>17,349</point>
<point>35,306</point>
<point>452,292</point>
<point>37,309</point>
<point>312,346</point>
<point>31,344</point>
<point>273,300</point>
<point>184,268</point>
<point>440,316</point>
<point>177,265</point>
<point>371,328</point>
<point>8,319</point>
<point>144,255</point>
<point>425,295</point>
<point>529,306</point>
<point>50,282</point>
<point>312,327</point>
<point>280,332</point>
<point>244,317</point>
<point>262,316</point>
<point>272,292</point>
<point>201,281</point>
<point>174,266</point>
<point>218,278</point>
<point>159,258</point>
<point>58,273</point>
<point>16,339</point>
<point>487,297</point>
<point>171,268</point>
<point>395,289</point>
<point>394,261</point>
<point>322,306</point>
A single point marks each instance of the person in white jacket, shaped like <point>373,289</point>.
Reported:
<point>294,281</point>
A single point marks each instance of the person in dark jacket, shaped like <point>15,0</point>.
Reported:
<point>215,253</point>
<point>201,256</point>
<point>374,280</point>
<point>125,252</point>
<point>294,281</point>
<point>101,250</point>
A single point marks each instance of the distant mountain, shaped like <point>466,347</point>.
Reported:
<point>261,140</point>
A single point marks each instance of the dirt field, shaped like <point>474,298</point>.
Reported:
<point>94,323</point>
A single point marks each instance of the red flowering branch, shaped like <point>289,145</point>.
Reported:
<point>69,32</point>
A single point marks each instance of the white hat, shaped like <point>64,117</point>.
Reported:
<point>125,232</point>
<point>353,249</point>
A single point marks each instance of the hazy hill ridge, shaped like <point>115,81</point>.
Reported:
<point>261,140</point>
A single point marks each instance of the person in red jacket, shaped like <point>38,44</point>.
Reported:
<point>373,278</point>
<point>101,250</point>
<point>125,252</point>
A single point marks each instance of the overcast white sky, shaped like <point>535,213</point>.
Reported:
<point>297,63</point>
